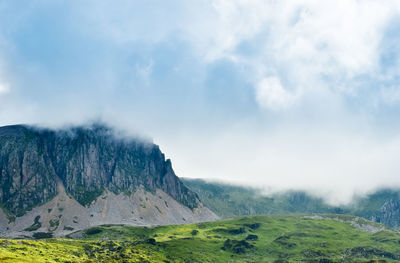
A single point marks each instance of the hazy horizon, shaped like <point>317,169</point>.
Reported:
<point>276,94</point>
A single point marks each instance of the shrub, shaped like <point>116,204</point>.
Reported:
<point>35,226</point>
<point>151,241</point>
<point>41,235</point>
<point>252,237</point>
<point>93,231</point>
<point>253,226</point>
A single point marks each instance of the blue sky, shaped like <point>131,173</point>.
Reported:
<point>280,94</point>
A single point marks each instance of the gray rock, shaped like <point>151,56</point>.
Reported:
<point>87,162</point>
<point>389,213</point>
<point>63,215</point>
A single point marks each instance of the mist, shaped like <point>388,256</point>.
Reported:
<point>282,96</point>
<point>336,167</point>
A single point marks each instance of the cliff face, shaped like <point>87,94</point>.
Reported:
<point>389,213</point>
<point>87,161</point>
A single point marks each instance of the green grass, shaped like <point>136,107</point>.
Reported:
<point>244,239</point>
<point>228,201</point>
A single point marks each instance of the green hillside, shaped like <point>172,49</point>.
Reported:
<point>326,238</point>
<point>228,201</point>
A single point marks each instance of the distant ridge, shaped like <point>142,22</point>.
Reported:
<point>381,206</point>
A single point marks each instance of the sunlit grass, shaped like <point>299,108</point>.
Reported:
<point>245,239</point>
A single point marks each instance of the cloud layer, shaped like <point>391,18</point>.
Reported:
<point>284,94</point>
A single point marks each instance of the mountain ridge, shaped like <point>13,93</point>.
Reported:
<point>90,163</point>
<point>381,206</point>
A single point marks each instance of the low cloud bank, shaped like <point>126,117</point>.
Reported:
<point>335,166</point>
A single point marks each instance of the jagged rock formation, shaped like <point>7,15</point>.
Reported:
<point>389,213</point>
<point>87,162</point>
<point>382,206</point>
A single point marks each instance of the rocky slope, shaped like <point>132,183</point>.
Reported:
<point>91,170</point>
<point>382,206</point>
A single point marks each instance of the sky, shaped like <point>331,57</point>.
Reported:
<point>289,94</point>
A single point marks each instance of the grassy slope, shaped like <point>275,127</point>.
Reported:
<point>279,238</point>
<point>229,201</point>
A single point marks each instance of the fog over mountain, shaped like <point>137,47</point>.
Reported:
<point>275,94</point>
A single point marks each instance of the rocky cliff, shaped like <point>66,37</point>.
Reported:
<point>85,161</point>
<point>389,213</point>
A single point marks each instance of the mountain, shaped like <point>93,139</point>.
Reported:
<point>278,239</point>
<point>382,206</point>
<point>63,180</point>
<point>232,200</point>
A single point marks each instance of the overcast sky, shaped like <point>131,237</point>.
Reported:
<point>281,94</point>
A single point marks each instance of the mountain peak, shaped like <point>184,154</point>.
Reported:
<point>87,160</point>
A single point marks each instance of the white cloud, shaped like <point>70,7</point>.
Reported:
<point>4,88</point>
<point>4,85</point>
<point>271,95</point>
<point>316,45</point>
<point>319,46</point>
<point>332,164</point>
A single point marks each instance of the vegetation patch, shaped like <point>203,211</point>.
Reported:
<point>313,253</point>
<point>252,237</point>
<point>285,241</point>
<point>42,235</point>
<point>368,252</point>
<point>231,231</point>
<point>252,226</point>
<point>93,231</point>
<point>54,223</point>
<point>158,209</point>
<point>151,241</point>
<point>238,247</point>
<point>85,197</point>
<point>35,226</point>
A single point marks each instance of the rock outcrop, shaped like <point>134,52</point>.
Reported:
<point>389,213</point>
<point>85,162</point>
